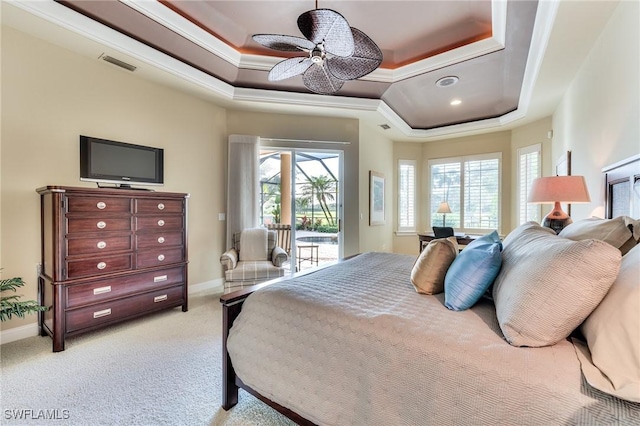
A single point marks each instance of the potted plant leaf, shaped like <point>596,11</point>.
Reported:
<point>11,305</point>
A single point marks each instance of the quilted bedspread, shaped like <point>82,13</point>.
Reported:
<point>354,344</point>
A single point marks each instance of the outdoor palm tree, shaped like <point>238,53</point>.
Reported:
<point>322,189</point>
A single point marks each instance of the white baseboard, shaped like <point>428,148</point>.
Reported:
<point>30,330</point>
<point>19,333</point>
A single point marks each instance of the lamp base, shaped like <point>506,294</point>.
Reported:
<point>557,219</point>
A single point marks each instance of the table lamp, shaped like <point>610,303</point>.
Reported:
<point>555,190</point>
<point>444,209</point>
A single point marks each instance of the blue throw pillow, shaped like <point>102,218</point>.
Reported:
<point>472,272</point>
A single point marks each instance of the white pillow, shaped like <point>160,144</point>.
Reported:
<point>621,232</point>
<point>612,332</point>
<point>428,272</point>
<point>548,285</point>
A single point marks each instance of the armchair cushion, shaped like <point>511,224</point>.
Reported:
<point>254,271</point>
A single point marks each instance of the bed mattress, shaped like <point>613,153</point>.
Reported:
<point>354,344</point>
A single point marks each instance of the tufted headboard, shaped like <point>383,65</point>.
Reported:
<point>622,188</point>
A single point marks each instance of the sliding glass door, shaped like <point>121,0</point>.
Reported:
<point>301,198</point>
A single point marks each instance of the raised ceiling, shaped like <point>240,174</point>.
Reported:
<point>495,48</point>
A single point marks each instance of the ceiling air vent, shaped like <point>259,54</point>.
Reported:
<point>385,126</point>
<point>118,62</point>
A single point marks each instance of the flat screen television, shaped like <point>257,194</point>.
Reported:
<point>120,163</point>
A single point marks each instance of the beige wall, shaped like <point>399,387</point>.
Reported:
<point>376,154</point>
<point>598,118</point>
<point>50,96</point>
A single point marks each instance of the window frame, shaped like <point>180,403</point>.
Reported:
<point>407,229</point>
<point>526,150</point>
<point>462,160</point>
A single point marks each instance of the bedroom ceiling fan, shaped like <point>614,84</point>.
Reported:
<point>336,52</point>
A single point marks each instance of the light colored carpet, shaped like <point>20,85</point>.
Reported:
<point>163,369</point>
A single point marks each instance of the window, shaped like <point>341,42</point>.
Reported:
<point>406,196</point>
<point>471,187</point>
<point>529,165</point>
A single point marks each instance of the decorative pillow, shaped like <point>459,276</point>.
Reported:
<point>472,272</point>
<point>612,332</point>
<point>621,232</point>
<point>428,272</point>
<point>548,284</point>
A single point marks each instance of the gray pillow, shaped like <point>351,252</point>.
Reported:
<point>548,284</point>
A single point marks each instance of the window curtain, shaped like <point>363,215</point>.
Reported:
<point>243,180</point>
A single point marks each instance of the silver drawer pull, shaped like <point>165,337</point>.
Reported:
<point>159,278</point>
<point>161,257</point>
<point>101,265</point>
<point>161,240</point>
<point>160,206</point>
<point>160,298</point>
<point>101,205</point>
<point>161,222</point>
<point>102,313</point>
<point>102,290</point>
<point>102,224</point>
<point>101,244</point>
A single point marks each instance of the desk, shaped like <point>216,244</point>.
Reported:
<point>313,253</point>
<point>463,239</point>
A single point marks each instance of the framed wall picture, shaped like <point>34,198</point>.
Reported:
<point>376,198</point>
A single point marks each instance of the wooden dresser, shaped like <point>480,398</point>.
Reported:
<point>109,255</point>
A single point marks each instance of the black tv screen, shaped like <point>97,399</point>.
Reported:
<point>120,163</point>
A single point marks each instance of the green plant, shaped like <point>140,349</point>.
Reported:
<point>10,305</point>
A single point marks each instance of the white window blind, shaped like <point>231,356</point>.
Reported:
<point>471,187</point>
<point>406,195</point>
<point>529,166</point>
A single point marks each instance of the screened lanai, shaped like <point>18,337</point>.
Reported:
<point>307,200</point>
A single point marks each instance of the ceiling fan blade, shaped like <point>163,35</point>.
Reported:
<point>289,68</point>
<point>284,42</point>
<point>327,25</point>
<point>319,80</point>
<point>366,57</point>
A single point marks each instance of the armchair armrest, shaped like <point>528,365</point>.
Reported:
<point>279,256</point>
<point>229,259</point>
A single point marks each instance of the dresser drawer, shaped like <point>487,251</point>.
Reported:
<point>103,290</point>
<point>98,205</point>
<point>159,222</point>
<point>98,265</point>
<point>103,313</point>
<point>144,206</point>
<point>97,245</point>
<point>159,240</point>
<point>80,225</point>
<point>159,257</point>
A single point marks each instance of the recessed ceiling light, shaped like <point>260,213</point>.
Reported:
<point>456,102</point>
<point>447,81</point>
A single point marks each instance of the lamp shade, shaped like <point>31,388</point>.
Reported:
<point>444,208</point>
<point>564,189</point>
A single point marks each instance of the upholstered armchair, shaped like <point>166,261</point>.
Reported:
<point>254,258</point>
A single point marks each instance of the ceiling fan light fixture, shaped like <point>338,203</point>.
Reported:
<point>337,52</point>
<point>447,81</point>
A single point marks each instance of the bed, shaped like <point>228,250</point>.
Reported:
<point>355,343</point>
